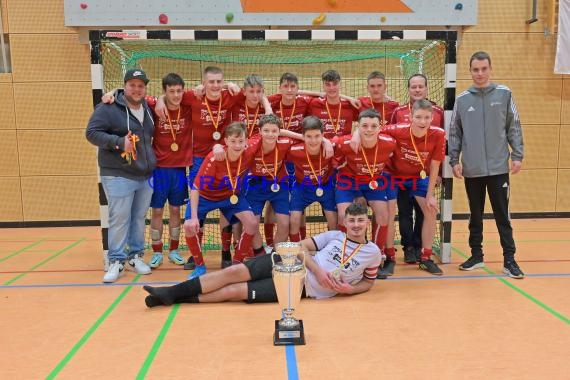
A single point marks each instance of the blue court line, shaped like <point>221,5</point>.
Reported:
<point>292,372</point>
<point>404,278</point>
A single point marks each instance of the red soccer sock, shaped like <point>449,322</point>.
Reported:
<point>341,227</point>
<point>195,249</point>
<point>226,238</point>
<point>303,232</point>
<point>295,237</point>
<point>157,247</point>
<point>426,254</point>
<point>244,247</point>
<point>268,230</point>
<point>174,244</point>
<point>390,253</point>
<point>200,236</point>
<point>380,234</point>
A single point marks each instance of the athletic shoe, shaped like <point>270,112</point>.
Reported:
<point>115,270</point>
<point>175,258</point>
<point>511,269</point>
<point>410,255</point>
<point>473,262</point>
<point>268,249</point>
<point>381,275</point>
<point>226,263</point>
<point>387,268</point>
<point>430,267</point>
<point>137,265</point>
<point>155,260</point>
<point>190,264</point>
<point>197,272</point>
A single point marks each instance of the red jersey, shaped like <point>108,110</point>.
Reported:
<point>368,161</point>
<point>291,115</point>
<point>249,116</point>
<point>403,114</point>
<point>213,181</point>
<point>176,129</point>
<point>335,123</point>
<point>204,120</point>
<point>405,161</point>
<point>264,165</point>
<point>386,109</point>
<point>321,166</point>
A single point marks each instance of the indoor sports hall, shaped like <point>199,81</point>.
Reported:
<point>58,320</point>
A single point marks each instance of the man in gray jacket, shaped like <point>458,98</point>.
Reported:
<point>123,133</point>
<point>484,124</point>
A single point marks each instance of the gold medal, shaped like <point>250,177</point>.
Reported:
<point>234,199</point>
<point>336,273</point>
<point>174,147</point>
<point>217,135</point>
<point>423,174</point>
<point>275,187</point>
<point>319,192</point>
<point>373,185</point>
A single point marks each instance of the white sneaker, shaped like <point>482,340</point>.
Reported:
<point>137,265</point>
<point>114,271</point>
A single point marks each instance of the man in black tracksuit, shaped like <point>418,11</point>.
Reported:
<point>484,124</point>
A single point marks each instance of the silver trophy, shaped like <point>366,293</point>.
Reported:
<point>288,278</point>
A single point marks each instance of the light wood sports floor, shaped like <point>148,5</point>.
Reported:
<point>59,321</point>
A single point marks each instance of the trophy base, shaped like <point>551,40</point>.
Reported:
<point>284,336</point>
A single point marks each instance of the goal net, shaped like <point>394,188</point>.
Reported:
<point>354,60</point>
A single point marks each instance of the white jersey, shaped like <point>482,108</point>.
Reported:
<point>329,249</point>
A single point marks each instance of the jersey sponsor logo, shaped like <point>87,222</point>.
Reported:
<point>470,109</point>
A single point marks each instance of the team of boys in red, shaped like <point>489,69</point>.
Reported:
<point>356,170</point>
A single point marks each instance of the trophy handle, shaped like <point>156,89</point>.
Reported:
<point>302,253</point>
<point>272,259</point>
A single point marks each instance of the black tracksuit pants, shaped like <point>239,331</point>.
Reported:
<point>497,186</point>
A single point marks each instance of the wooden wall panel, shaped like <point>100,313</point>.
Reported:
<point>564,156</point>
<point>30,16</point>
<point>534,191</point>
<point>60,198</point>
<point>541,144</point>
<point>4,10</point>
<point>513,56</point>
<point>508,16</point>
<point>54,57</point>
<point>7,110</point>
<point>11,196</point>
<point>563,191</point>
<point>565,112</point>
<point>538,101</point>
<point>9,147</point>
<point>65,105</point>
<point>51,153</point>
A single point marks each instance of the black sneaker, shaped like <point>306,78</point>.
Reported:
<point>430,267</point>
<point>410,256</point>
<point>387,268</point>
<point>190,264</point>
<point>511,269</point>
<point>473,262</point>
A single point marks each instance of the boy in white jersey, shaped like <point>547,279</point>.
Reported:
<point>344,263</point>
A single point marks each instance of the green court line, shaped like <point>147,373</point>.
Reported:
<point>21,250</point>
<point>59,367</point>
<point>45,261</point>
<point>520,291</point>
<point>157,343</point>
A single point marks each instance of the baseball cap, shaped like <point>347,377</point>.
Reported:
<point>136,74</point>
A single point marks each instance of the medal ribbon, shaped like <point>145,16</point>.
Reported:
<point>274,176</point>
<point>217,122</point>
<point>290,116</point>
<point>170,124</point>
<point>320,165</point>
<point>131,155</point>
<point>254,119</point>
<point>371,171</point>
<point>232,182</point>
<point>335,126</point>
<point>416,149</point>
<point>384,121</point>
<point>342,260</point>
